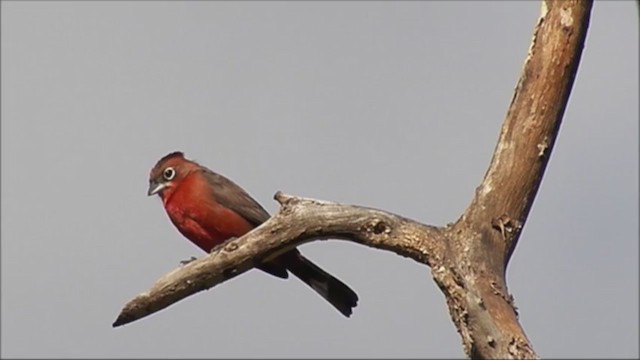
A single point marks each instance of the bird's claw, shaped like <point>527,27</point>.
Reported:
<point>185,262</point>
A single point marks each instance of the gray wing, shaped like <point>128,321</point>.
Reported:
<point>233,197</point>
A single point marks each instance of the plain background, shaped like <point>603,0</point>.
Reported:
<point>393,105</point>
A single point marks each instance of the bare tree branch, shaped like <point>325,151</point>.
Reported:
<point>468,259</point>
<point>485,236</point>
<point>298,221</point>
<point>533,119</point>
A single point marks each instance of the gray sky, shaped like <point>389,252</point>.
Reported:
<point>390,105</point>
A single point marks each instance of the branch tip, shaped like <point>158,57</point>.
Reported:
<point>281,197</point>
<point>119,322</point>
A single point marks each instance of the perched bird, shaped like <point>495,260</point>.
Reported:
<point>209,209</point>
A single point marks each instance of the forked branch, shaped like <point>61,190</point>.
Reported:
<point>468,259</point>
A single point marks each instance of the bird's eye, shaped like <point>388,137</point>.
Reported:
<point>168,173</point>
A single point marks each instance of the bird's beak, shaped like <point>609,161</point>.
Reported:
<point>155,187</point>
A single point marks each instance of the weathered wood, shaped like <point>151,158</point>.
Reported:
<point>298,221</point>
<point>468,258</point>
<point>485,236</point>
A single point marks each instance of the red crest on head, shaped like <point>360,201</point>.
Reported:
<point>178,154</point>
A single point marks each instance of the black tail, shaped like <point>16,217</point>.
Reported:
<point>333,290</point>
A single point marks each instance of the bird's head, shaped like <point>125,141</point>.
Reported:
<point>167,173</point>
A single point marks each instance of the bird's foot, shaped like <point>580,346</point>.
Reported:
<point>185,262</point>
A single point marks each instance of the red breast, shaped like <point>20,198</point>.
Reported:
<point>188,199</point>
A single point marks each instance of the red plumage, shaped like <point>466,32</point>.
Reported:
<point>208,209</point>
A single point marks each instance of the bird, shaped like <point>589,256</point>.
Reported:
<point>210,209</point>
